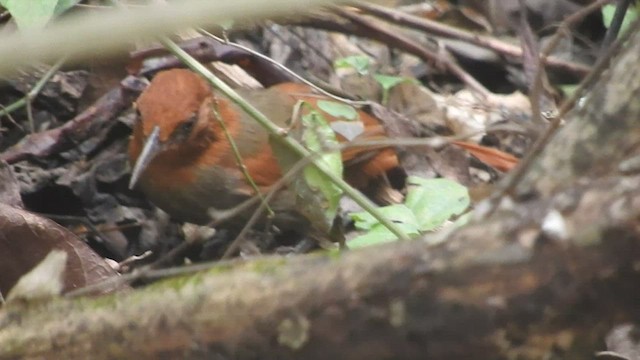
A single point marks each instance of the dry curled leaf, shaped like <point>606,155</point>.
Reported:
<point>26,238</point>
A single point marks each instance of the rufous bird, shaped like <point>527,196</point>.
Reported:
<point>185,164</point>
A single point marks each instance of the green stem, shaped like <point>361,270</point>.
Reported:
<point>33,93</point>
<point>239,160</point>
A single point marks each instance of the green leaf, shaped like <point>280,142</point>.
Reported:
<point>399,213</point>
<point>338,109</point>
<point>30,14</point>
<point>379,234</point>
<point>429,203</point>
<point>387,82</point>
<point>316,137</point>
<point>434,201</point>
<point>64,5</point>
<point>227,25</point>
<point>607,14</point>
<point>316,196</point>
<point>360,63</point>
<point>348,129</point>
<point>629,17</point>
<point>568,89</point>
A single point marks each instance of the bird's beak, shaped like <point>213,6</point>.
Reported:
<point>151,148</point>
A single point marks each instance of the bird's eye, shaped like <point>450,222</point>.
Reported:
<point>187,125</point>
<point>184,129</point>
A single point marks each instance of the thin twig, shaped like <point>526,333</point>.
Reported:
<point>616,24</point>
<point>425,54</point>
<point>439,29</point>
<point>304,40</point>
<point>512,181</point>
<point>7,113</point>
<point>28,98</point>
<point>283,68</point>
<point>535,75</point>
<point>273,190</point>
<point>238,157</point>
<point>564,28</point>
<point>598,68</point>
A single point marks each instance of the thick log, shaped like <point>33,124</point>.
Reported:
<point>490,291</point>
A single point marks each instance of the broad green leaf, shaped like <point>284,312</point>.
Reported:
<point>434,201</point>
<point>360,63</point>
<point>429,203</point>
<point>379,234</point>
<point>399,213</point>
<point>338,109</point>
<point>30,14</point>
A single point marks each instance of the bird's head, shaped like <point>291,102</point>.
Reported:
<point>171,122</point>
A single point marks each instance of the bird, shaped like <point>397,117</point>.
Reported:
<point>184,163</point>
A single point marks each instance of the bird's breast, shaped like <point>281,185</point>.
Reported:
<point>187,194</point>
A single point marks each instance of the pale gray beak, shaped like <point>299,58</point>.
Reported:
<point>151,148</point>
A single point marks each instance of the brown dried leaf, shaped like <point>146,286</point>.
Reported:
<point>26,238</point>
